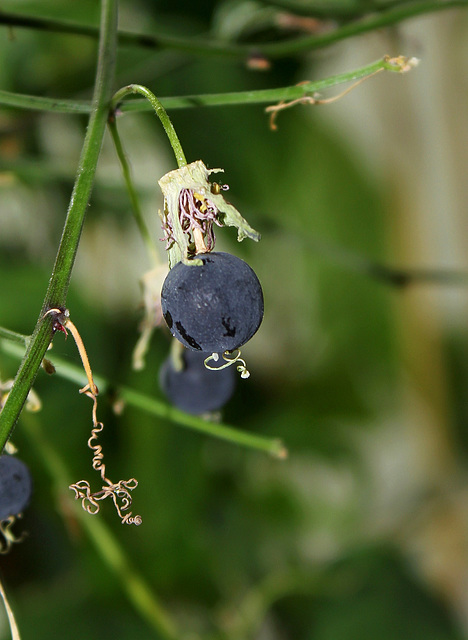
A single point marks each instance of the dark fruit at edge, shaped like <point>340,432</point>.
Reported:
<point>215,307</point>
<point>195,389</point>
<point>15,486</point>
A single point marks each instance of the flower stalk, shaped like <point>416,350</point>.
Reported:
<point>160,112</point>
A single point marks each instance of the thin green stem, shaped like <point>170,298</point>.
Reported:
<point>58,285</point>
<point>39,103</point>
<point>392,14</point>
<point>268,96</point>
<point>132,193</point>
<point>337,10</point>
<point>160,112</point>
<point>398,277</point>
<point>272,446</point>
<point>75,374</point>
<point>263,96</point>
<point>13,336</point>
<point>134,585</point>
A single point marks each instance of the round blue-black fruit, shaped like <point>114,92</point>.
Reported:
<point>15,486</point>
<point>195,389</point>
<point>214,307</point>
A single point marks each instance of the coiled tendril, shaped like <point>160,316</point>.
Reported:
<point>230,358</point>
<point>119,491</point>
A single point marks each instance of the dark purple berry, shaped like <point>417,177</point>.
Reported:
<point>215,307</point>
<point>15,486</point>
<point>195,389</point>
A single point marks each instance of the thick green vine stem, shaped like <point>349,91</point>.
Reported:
<point>160,112</point>
<point>58,285</point>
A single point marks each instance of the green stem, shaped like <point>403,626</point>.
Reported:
<point>272,446</point>
<point>337,10</point>
<point>13,336</point>
<point>268,96</point>
<point>132,193</point>
<point>39,103</point>
<point>160,112</point>
<point>393,14</point>
<point>75,374</point>
<point>58,285</point>
<point>263,96</point>
<point>137,590</point>
<point>398,277</point>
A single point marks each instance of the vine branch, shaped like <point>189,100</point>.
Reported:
<point>153,406</point>
<point>132,193</point>
<point>261,96</point>
<point>160,111</point>
<point>368,20</point>
<point>58,285</point>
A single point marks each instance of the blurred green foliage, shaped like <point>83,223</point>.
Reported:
<point>338,541</point>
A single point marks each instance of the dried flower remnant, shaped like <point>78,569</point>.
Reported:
<point>402,64</point>
<point>191,205</point>
<point>151,283</point>
<point>198,212</point>
<point>33,402</point>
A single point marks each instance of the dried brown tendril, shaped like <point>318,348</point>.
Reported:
<point>314,99</point>
<point>119,491</point>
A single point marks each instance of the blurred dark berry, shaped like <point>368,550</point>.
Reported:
<point>195,389</point>
<point>15,486</point>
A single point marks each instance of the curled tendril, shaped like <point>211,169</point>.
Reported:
<point>9,538</point>
<point>118,491</point>
<point>230,358</point>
